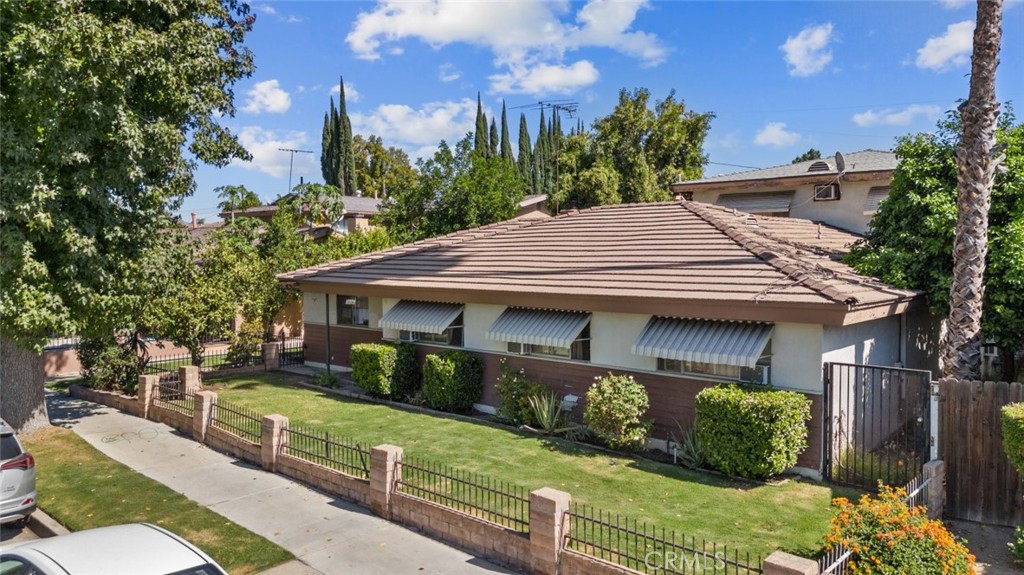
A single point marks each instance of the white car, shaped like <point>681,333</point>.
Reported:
<point>133,549</point>
<point>17,478</point>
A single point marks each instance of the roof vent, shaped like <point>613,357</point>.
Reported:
<point>819,166</point>
<point>752,221</point>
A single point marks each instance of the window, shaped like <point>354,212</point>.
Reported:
<point>353,310</point>
<point>760,373</point>
<point>578,350</point>
<point>451,336</point>
<point>826,193</point>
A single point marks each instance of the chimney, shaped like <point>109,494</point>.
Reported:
<point>194,224</point>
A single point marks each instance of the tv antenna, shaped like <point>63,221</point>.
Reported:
<point>291,162</point>
<point>570,108</point>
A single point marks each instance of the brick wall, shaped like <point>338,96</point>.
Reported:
<point>227,442</point>
<point>325,479</point>
<point>342,339</point>
<point>172,418</point>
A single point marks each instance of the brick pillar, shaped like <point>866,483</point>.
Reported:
<point>272,437</point>
<point>935,491</point>
<point>189,376</point>
<point>782,563</point>
<point>271,359</point>
<point>149,389</point>
<point>549,523</point>
<point>385,471</point>
<point>206,402</point>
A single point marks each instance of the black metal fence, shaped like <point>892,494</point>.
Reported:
<point>877,427</point>
<point>63,342</point>
<point>212,361</point>
<point>647,549</point>
<point>243,422</point>
<point>499,502</point>
<point>171,396</point>
<point>339,454</point>
<point>292,352</point>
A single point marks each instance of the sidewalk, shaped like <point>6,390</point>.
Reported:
<point>328,536</point>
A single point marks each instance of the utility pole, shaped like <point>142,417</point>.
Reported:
<point>291,163</point>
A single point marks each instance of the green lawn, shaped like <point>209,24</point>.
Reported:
<point>82,488</point>
<point>750,518</point>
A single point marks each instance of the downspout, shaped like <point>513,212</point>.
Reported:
<point>327,325</point>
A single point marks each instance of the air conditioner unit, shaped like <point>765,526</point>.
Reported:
<point>826,192</point>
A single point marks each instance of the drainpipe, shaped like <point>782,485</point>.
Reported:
<point>327,324</point>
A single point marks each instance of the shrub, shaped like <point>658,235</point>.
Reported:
<point>515,390</point>
<point>406,379</point>
<point>887,538</point>
<point>1013,434</point>
<point>324,378</point>
<point>1017,546</point>
<point>110,365</point>
<point>373,365</point>
<point>245,344</point>
<point>752,432</point>
<point>690,451</point>
<point>452,381</point>
<point>615,405</point>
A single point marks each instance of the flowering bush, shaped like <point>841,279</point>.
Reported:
<point>516,390</point>
<point>615,405</point>
<point>888,538</point>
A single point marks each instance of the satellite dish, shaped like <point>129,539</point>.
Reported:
<point>840,162</point>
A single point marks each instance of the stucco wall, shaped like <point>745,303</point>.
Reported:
<point>477,320</point>
<point>313,307</point>
<point>923,333</point>
<point>796,356</point>
<point>874,342</point>
<point>611,337</point>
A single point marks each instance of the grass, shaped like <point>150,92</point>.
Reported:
<point>82,489</point>
<point>746,516</point>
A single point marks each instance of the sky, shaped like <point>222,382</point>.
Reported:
<point>780,77</point>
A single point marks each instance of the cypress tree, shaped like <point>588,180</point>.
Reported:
<point>325,148</point>
<point>336,157</point>
<point>540,159</point>
<point>494,138</point>
<point>347,169</point>
<point>480,139</point>
<point>506,143</point>
<point>525,158</point>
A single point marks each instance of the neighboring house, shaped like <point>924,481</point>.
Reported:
<point>812,190</point>
<point>357,214</point>
<point>680,295</point>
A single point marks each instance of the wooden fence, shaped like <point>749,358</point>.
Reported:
<point>981,485</point>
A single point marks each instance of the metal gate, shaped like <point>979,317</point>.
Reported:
<point>878,424</point>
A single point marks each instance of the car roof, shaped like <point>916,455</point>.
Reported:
<point>137,548</point>
<point>5,429</point>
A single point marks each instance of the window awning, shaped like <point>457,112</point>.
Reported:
<point>538,326</point>
<point>704,341</point>
<point>875,197</point>
<point>421,316</point>
<point>758,202</point>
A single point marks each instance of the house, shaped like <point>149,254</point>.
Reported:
<point>681,295</point>
<point>813,190</point>
<point>357,214</point>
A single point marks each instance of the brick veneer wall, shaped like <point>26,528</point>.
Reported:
<point>172,418</point>
<point>342,339</point>
<point>326,479</point>
<point>227,442</point>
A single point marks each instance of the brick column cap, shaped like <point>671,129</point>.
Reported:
<point>782,563</point>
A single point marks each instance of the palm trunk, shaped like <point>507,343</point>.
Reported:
<point>975,174</point>
<point>21,385</point>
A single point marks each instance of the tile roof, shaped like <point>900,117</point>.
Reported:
<point>668,251</point>
<point>353,204</point>
<point>856,162</point>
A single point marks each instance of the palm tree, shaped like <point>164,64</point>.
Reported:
<point>961,353</point>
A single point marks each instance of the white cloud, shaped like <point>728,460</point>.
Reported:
<point>351,94</point>
<point>774,134</point>
<point>293,20</point>
<point>807,53</point>
<point>953,4</point>
<point>950,50</point>
<point>447,72</point>
<point>727,142</point>
<point>418,131</point>
<point>535,34</point>
<point>267,96</point>
<point>545,78</point>
<point>265,8</point>
<point>890,117</point>
<point>266,156</point>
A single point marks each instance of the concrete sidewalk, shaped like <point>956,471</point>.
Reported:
<point>328,536</point>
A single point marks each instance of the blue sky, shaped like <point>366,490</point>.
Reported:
<point>781,77</point>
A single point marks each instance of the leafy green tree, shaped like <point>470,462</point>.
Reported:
<point>910,241</point>
<point>93,153</point>
<point>236,198</point>
<point>380,169</point>
<point>811,154</point>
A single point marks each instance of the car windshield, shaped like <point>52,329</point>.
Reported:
<point>206,569</point>
<point>9,448</point>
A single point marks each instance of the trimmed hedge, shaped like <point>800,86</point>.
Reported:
<point>1013,434</point>
<point>406,379</point>
<point>452,381</point>
<point>373,366</point>
<point>752,432</point>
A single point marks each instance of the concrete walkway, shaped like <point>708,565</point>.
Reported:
<point>328,536</point>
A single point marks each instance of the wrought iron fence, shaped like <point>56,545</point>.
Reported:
<point>243,422</point>
<point>212,361</point>
<point>339,454</point>
<point>292,352</point>
<point>496,501</point>
<point>171,396</point>
<point>648,549</point>
<point>63,342</point>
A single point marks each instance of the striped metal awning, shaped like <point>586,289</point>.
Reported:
<point>758,202</point>
<point>704,341</point>
<point>421,316</point>
<point>875,197</point>
<point>538,326</point>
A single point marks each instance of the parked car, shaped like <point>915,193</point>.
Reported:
<point>132,549</point>
<point>17,478</point>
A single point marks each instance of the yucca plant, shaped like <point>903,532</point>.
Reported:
<point>689,450</point>
<point>549,415</point>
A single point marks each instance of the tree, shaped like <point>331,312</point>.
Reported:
<point>236,198</point>
<point>494,150</point>
<point>379,169</point>
<point>92,153</point>
<point>481,140</point>
<point>506,142</point>
<point>348,167</point>
<point>337,159</point>
<point>910,242</point>
<point>524,159</point>
<point>961,351</point>
<point>811,154</point>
